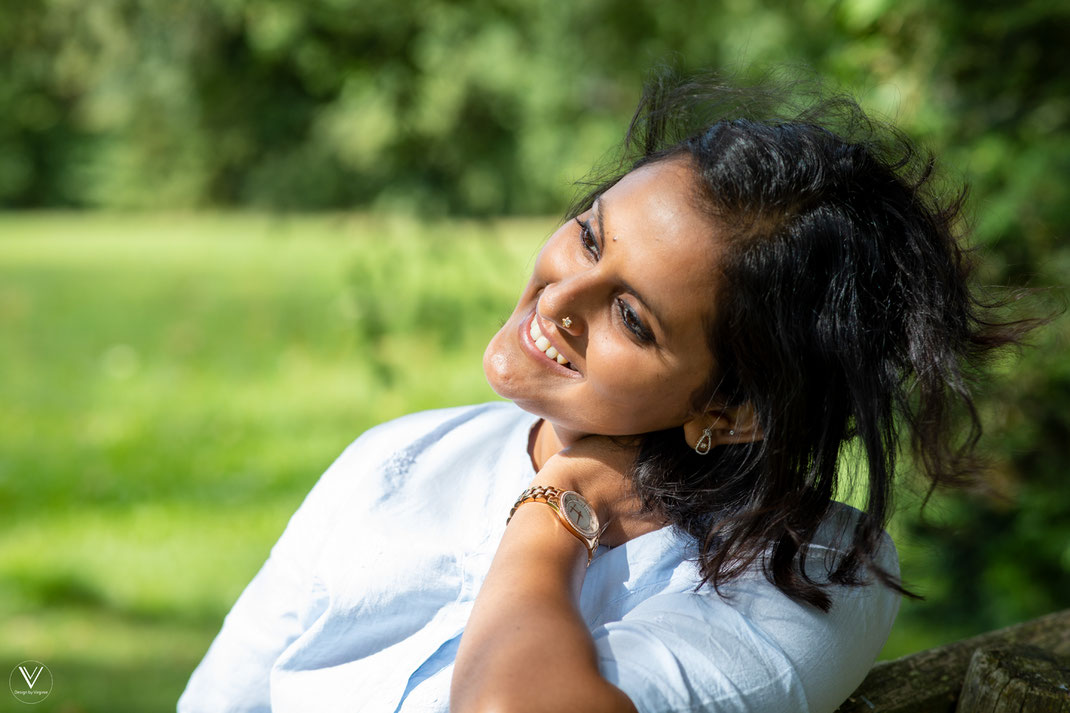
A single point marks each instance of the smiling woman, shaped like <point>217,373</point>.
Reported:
<point>649,524</point>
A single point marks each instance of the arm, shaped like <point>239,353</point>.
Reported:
<point>235,674</point>
<point>526,647</point>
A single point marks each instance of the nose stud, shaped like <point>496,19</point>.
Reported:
<point>566,322</point>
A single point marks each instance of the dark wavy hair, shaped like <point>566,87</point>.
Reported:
<point>844,313</point>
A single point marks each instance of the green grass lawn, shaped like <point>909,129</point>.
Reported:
<point>171,387</point>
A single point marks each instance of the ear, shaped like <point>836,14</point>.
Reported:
<point>727,424</point>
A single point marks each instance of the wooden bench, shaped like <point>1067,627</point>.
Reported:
<point>1023,668</point>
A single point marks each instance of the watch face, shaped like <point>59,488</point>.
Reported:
<point>579,513</point>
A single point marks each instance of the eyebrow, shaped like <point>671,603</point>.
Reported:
<point>600,218</point>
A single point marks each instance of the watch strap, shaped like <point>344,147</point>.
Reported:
<point>549,495</point>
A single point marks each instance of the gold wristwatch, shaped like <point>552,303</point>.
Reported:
<point>574,512</point>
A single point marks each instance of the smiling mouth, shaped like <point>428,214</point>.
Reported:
<point>543,344</point>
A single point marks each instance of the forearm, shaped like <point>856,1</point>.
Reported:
<point>526,647</point>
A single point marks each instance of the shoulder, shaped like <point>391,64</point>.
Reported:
<point>828,653</point>
<point>833,540</point>
<point>392,458</point>
<point>424,429</point>
<point>749,646</point>
<point>439,447</point>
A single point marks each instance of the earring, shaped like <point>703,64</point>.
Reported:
<point>732,433</point>
<point>706,442</point>
<point>566,322</point>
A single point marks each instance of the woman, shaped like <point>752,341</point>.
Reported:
<point>694,349</point>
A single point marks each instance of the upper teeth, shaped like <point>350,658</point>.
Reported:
<point>543,343</point>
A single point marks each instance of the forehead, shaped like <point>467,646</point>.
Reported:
<point>665,243</point>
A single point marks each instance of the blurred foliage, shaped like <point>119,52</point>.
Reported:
<point>480,107</point>
<point>435,107</point>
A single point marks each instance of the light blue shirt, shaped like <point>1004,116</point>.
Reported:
<point>364,598</point>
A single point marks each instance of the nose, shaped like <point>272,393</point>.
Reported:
<point>567,302</point>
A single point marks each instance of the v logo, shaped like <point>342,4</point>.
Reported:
<point>31,680</point>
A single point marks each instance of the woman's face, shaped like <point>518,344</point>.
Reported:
<point>623,294</point>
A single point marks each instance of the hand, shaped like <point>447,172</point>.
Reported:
<point>598,467</point>
<point>539,570</point>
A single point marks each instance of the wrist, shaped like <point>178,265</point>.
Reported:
<point>571,510</point>
<point>535,541</point>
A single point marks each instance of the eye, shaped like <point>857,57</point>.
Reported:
<point>632,321</point>
<point>627,314</point>
<point>587,239</point>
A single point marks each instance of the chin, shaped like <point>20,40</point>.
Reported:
<point>497,369</point>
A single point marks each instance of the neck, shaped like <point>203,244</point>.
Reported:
<point>549,441</point>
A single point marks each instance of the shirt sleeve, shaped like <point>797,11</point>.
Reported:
<point>276,607</point>
<point>754,651</point>
<point>235,673</point>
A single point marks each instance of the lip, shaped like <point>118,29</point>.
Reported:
<point>537,354</point>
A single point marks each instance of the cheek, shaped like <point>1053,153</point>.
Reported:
<point>646,387</point>
<point>626,374</point>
